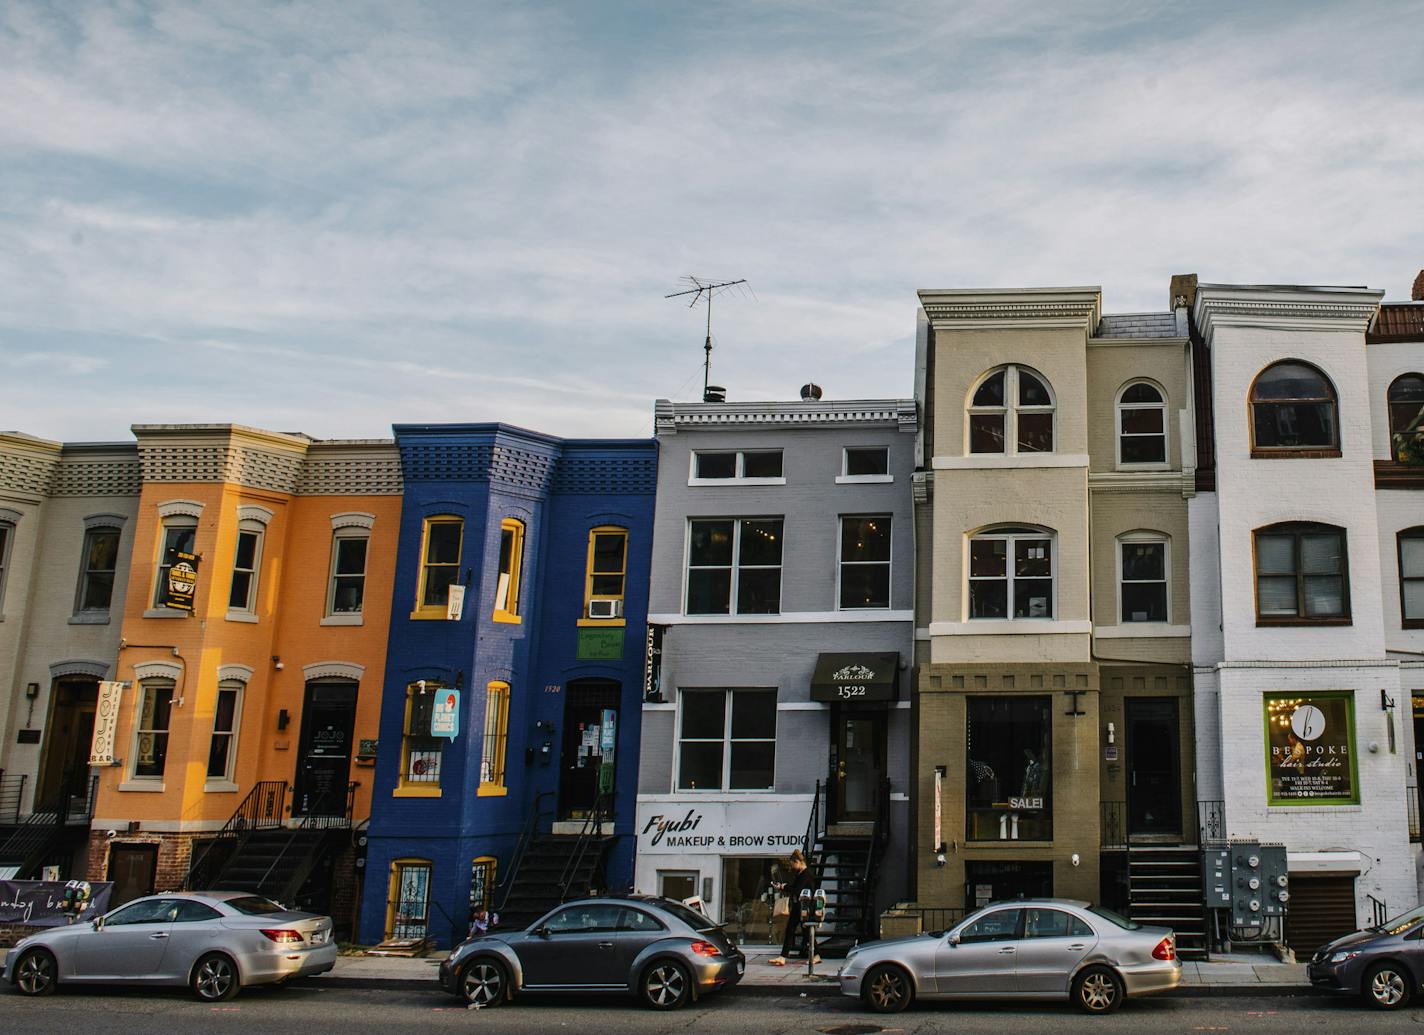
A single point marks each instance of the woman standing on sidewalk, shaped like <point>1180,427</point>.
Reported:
<point>801,880</point>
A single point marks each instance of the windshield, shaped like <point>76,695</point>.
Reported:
<point>253,905</point>
<point>1403,922</point>
<point>1116,918</point>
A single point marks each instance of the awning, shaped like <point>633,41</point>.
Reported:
<point>856,677</point>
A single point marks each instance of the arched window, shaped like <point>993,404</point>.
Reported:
<point>1011,573</point>
<point>1011,411</point>
<point>1406,419</point>
<point>1293,408</point>
<point>1141,425</point>
<point>1302,574</point>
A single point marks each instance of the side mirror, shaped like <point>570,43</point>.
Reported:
<point>953,939</point>
<point>541,932</point>
<point>98,922</point>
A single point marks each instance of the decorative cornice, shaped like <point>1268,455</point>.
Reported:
<point>79,667</point>
<point>26,466</point>
<point>105,521</point>
<point>254,512</point>
<point>352,519</point>
<point>236,673</point>
<point>356,467</point>
<point>922,486</point>
<point>186,508</point>
<point>899,414</point>
<point>10,516</point>
<point>333,670</point>
<point>157,670</point>
<point>1128,482</point>
<point>97,469</point>
<point>1285,308</point>
<point>1014,307</point>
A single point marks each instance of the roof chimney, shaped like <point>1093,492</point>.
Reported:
<point>1183,291</point>
<point>810,392</point>
<point>1416,293</point>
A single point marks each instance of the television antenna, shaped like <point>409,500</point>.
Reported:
<point>702,289</point>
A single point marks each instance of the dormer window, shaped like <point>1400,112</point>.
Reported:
<point>1011,411</point>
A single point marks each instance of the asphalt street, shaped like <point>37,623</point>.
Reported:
<point>349,1011</point>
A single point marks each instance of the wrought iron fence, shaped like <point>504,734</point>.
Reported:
<point>1211,821</point>
<point>1112,824</point>
<point>935,918</point>
<point>1411,799</point>
<point>12,791</point>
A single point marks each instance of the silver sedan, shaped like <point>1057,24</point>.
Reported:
<point>1037,949</point>
<point>214,941</point>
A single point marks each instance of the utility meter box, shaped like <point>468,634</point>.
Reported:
<point>1248,889</point>
<point>1275,880</point>
<point>1216,878</point>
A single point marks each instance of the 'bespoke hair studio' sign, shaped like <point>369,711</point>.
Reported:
<point>1310,749</point>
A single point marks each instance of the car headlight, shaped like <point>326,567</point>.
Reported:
<point>1341,957</point>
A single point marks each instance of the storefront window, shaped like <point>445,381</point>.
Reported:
<point>750,912</point>
<point>1009,774</point>
<point>1310,756</point>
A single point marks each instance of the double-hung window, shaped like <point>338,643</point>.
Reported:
<point>222,754</point>
<point>1406,418</point>
<point>1411,577</point>
<point>1143,573</point>
<point>865,562</point>
<point>179,536</point>
<point>1141,425</point>
<point>242,595</point>
<point>734,566</point>
<point>754,466</point>
<point>96,576</point>
<point>155,707</point>
<point>511,564</point>
<point>1011,574</point>
<point>420,752</point>
<point>607,572</point>
<point>727,740</point>
<point>1302,575</point>
<point>347,591</point>
<point>496,736</point>
<point>439,565</point>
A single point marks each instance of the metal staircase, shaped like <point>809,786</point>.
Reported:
<point>845,865</point>
<point>1164,889</point>
<point>547,869</point>
<point>53,831</point>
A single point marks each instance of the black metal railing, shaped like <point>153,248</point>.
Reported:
<point>321,815</point>
<point>12,792</point>
<point>879,839</point>
<point>814,827</point>
<point>44,829</point>
<point>592,830</point>
<point>1211,821</point>
<point>936,918</point>
<point>1379,909</point>
<point>531,829</point>
<point>264,808</point>
<point>1112,824</point>
<point>1411,810</point>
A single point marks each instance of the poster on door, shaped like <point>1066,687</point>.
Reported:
<point>1310,756</point>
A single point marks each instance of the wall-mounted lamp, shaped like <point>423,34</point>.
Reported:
<point>32,690</point>
<point>1112,734</point>
<point>283,718</point>
<point>1387,706</point>
<point>277,663</point>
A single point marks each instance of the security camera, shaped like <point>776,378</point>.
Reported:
<point>939,859</point>
<point>111,833</point>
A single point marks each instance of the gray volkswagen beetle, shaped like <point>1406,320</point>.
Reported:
<point>1032,949</point>
<point>657,949</point>
<point>1383,965</point>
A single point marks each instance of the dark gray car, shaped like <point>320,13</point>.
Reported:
<point>655,948</point>
<point>1384,965</point>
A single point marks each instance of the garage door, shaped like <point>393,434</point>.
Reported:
<point>1321,909</point>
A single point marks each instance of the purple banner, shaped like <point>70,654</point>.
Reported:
<point>40,903</point>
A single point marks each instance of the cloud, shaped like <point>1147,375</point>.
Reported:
<point>335,216</point>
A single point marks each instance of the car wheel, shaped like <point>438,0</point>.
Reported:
<point>215,978</point>
<point>1098,990</point>
<point>666,985</point>
<point>886,988</point>
<point>37,973</point>
<point>483,983</point>
<point>1387,986</point>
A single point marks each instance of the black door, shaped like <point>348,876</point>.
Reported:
<point>324,755</point>
<point>133,869</point>
<point>586,759</point>
<point>1154,794</point>
<point>857,764</point>
<point>71,731</point>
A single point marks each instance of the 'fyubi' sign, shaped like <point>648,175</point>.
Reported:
<point>721,828</point>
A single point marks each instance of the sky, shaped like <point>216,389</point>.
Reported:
<point>330,217</point>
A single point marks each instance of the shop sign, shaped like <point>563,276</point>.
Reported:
<point>455,604</point>
<point>653,663</point>
<point>1310,749</point>
<point>445,714</point>
<point>106,721</point>
<point>721,828</point>
<point>600,644</point>
<point>182,581</point>
<point>853,678</point>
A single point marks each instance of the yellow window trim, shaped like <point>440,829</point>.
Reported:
<point>491,790</point>
<point>516,572</point>
<point>497,695</point>
<point>393,889</point>
<point>404,788</point>
<point>434,611</point>
<point>589,573</point>
<point>415,790</point>
<point>603,623</point>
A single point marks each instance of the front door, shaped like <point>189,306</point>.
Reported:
<point>324,756</point>
<point>858,765</point>
<point>1154,795</point>
<point>133,869</point>
<point>71,730</point>
<point>587,756</point>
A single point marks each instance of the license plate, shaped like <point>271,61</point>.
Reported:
<point>318,938</point>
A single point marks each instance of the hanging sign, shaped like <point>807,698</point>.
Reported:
<point>1310,757</point>
<point>653,663</point>
<point>106,722</point>
<point>456,605</point>
<point>445,714</point>
<point>182,581</point>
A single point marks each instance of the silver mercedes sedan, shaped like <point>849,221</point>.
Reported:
<point>1034,949</point>
<point>212,941</point>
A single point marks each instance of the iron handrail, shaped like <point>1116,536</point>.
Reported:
<point>12,792</point>
<point>1112,825</point>
<point>531,823</point>
<point>1380,908</point>
<point>813,825</point>
<point>592,827</point>
<point>879,838</point>
<point>262,808</point>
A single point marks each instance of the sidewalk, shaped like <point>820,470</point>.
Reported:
<point>1237,974</point>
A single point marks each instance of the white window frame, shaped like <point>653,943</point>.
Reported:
<point>996,533</point>
<point>1011,410</point>
<point>846,478</point>
<point>338,536</point>
<point>237,688</point>
<point>247,611</point>
<point>889,563</point>
<point>738,478</point>
<point>84,570</point>
<point>1145,536</point>
<point>175,521</point>
<point>7,540</point>
<point>725,739</point>
<point>736,566</point>
<point>145,687</point>
<point>1120,407</point>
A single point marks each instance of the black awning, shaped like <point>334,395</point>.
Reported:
<point>856,677</point>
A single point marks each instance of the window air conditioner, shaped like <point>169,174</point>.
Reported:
<point>605,607</point>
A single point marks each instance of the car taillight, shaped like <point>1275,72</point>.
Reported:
<point>282,935</point>
<point>1165,950</point>
<point>705,949</point>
